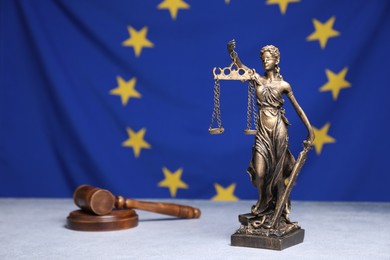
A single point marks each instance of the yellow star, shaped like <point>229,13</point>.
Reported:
<point>137,40</point>
<point>323,31</point>
<point>136,141</point>
<point>125,89</point>
<point>173,6</point>
<point>336,82</point>
<point>282,4</point>
<point>225,194</point>
<point>322,137</point>
<point>173,181</point>
<point>227,2</point>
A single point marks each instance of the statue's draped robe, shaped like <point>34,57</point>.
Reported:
<point>272,144</point>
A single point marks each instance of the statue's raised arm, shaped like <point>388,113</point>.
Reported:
<point>231,46</point>
<point>236,70</point>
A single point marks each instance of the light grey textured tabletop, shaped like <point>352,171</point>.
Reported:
<point>35,229</point>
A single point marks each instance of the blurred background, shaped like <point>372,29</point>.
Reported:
<point>119,94</point>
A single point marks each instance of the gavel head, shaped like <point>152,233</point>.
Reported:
<point>95,200</point>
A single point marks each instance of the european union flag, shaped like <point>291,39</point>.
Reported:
<point>119,94</point>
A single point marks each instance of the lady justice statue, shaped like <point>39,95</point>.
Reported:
<point>272,169</point>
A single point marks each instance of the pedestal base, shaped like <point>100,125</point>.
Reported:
<point>249,235</point>
<point>270,242</point>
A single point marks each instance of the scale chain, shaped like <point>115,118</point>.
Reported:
<point>217,109</point>
<point>254,110</point>
<point>249,109</point>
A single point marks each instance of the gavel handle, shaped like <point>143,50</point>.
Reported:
<point>171,209</point>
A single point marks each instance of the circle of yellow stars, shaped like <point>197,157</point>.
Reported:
<point>125,89</point>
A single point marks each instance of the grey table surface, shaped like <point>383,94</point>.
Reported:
<point>35,229</point>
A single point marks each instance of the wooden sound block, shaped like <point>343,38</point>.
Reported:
<point>118,219</point>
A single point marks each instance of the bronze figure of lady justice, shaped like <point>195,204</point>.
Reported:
<point>273,169</point>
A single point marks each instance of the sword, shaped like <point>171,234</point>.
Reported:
<point>294,174</point>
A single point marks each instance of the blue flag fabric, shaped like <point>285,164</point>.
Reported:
<point>119,94</point>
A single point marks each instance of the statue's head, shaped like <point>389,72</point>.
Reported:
<point>270,56</point>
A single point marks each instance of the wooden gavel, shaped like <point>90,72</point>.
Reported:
<point>101,202</point>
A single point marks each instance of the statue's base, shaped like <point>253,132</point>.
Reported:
<point>274,243</point>
<point>276,239</point>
